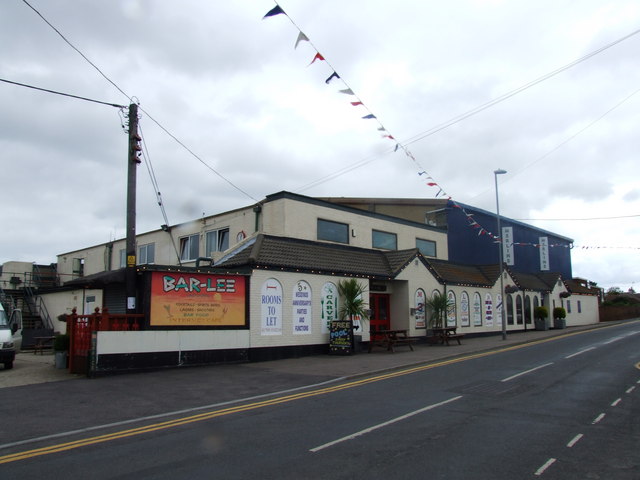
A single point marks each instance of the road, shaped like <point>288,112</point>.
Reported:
<point>566,409</point>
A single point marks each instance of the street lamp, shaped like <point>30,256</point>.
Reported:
<point>500,254</point>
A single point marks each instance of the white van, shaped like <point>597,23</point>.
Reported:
<point>7,348</point>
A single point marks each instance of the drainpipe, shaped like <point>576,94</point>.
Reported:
<point>257,210</point>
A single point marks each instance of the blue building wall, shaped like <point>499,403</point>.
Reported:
<point>467,246</point>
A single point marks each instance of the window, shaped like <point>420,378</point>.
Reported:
<point>579,306</point>
<point>123,258</point>
<point>147,254</point>
<point>568,306</point>
<point>333,231</point>
<point>527,309</point>
<point>217,241</point>
<point>190,247</point>
<point>426,247</point>
<point>78,266</point>
<point>519,310</point>
<point>509,309</point>
<point>386,240</point>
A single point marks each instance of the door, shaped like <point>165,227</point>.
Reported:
<point>379,305</point>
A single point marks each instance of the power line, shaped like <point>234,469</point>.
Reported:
<point>575,219</point>
<point>131,100</point>
<point>61,93</point>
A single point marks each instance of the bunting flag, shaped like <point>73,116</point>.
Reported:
<point>331,77</point>
<point>317,57</point>
<point>301,38</point>
<point>277,10</point>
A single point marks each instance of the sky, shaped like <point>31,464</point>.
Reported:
<point>232,111</point>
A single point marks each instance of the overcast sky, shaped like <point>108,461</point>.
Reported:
<point>231,87</point>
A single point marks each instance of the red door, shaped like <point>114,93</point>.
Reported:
<point>379,305</point>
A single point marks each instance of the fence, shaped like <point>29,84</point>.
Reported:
<point>619,312</point>
<point>81,328</point>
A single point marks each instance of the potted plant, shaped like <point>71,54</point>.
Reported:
<point>352,306</point>
<point>61,349</point>
<point>559,317</point>
<point>541,314</point>
<point>437,307</point>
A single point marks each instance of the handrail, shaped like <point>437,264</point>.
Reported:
<point>39,307</point>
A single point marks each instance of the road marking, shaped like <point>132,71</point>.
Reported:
<point>630,389</point>
<point>614,339</point>
<point>525,372</point>
<point>541,470</point>
<point>384,424</point>
<point>598,419</point>
<point>580,352</point>
<point>616,402</point>
<point>575,440</point>
<point>104,438</point>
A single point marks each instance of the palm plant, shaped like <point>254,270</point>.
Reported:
<point>352,304</point>
<point>437,306</point>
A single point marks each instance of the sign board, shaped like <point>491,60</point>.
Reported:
<point>193,299</point>
<point>544,254</point>
<point>340,337</point>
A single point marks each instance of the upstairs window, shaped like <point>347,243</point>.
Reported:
<point>147,254</point>
<point>217,241</point>
<point>426,247</point>
<point>333,231</point>
<point>386,240</point>
<point>190,247</point>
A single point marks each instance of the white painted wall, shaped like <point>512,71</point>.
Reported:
<point>170,341</point>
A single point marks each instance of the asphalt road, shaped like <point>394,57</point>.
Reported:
<point>566,409</point>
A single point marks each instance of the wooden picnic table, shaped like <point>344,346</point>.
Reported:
<point>389,339</point>
<point>447,333</point>
<point>42,343</point>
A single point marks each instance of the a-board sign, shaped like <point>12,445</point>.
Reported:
<point>340,337</point>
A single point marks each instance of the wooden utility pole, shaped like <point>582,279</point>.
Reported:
<point>132,163</point>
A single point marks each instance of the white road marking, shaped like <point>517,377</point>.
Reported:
<point>630,389</point>
<point>524,373</point>
<point>580,352</point>
<point>380,425</point>
<point>575,440</point>
<point>598,419</point>
<point>616,402</point>
<point>541,470</point>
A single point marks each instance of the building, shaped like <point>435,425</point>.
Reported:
<point>261,282</point>
<point>471,232</point>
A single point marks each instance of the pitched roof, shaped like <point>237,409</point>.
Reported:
<point>287,253</point>
<point>458,274</point>
<point>581,287</point>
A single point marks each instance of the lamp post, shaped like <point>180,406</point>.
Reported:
<point>500,254</point>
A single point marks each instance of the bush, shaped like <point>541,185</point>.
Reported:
<point>541,312</point>
<point>559,312</point>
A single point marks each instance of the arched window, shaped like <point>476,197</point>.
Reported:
<point>527,309</point>
<point>535,301</point>
<point>509,309</point>
<point>519,311</point>
<point>451,311</point>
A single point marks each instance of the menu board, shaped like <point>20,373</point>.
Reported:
<point>340,337</point>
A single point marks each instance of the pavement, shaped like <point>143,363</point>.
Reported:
<point>30,368</point>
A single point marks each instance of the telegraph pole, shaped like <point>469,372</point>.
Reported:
<point>132,163</point>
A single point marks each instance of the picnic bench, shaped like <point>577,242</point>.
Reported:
<point>444,335</point>
<point>42,343</point>
<point>389,339</point>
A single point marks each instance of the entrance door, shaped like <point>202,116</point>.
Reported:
<point>379,305</point>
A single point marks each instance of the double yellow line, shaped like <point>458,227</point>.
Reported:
<point>14,457</point>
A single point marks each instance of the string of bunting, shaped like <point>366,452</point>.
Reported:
<point>356,101</point>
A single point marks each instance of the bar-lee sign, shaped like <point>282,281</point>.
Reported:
<point>184,299</point>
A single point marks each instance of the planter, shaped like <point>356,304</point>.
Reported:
<point>560,323</point>
<point>542,324</point>
<point>61,360</point>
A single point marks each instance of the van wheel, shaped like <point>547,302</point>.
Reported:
<point>8,365</point>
